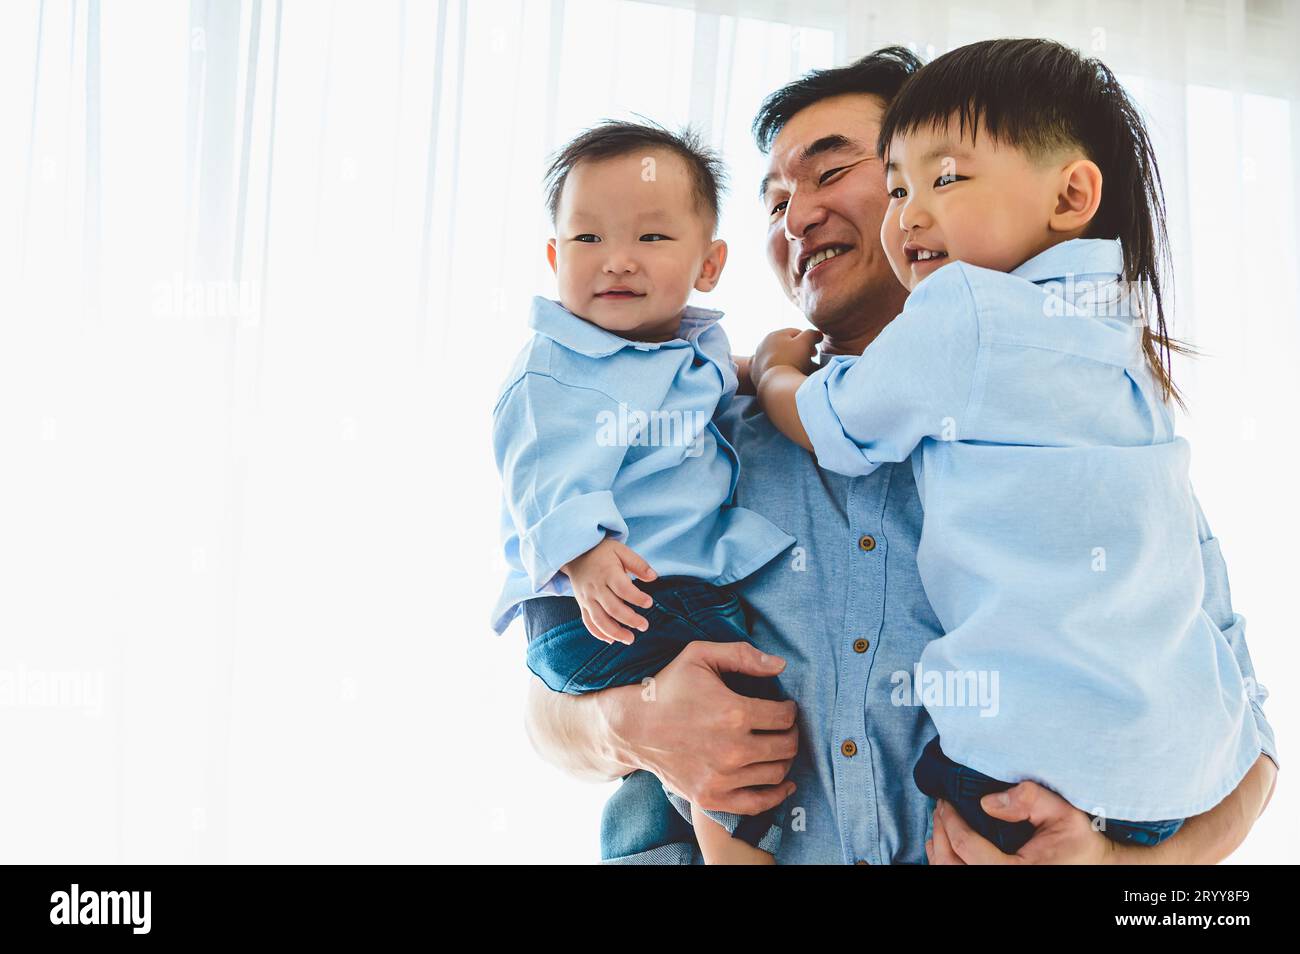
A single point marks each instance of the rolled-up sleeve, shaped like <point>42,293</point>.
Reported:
<point>914,381</point>
<point>558,452</point>
<point>1218,605</point>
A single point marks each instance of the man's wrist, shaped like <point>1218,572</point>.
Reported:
<point>611,737</point>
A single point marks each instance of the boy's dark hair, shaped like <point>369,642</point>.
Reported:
<point>1039,96</point>
<point>881,73</point>
<point>612,139</point>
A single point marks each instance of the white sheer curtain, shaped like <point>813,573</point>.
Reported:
<point>269,261</point>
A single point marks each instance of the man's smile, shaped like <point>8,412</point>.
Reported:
<point>814,258</point>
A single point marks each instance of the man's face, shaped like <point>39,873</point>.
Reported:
<point>825,195</point>
<point>951,198</point>
<point>630,245</point>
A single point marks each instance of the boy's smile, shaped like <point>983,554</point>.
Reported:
<point>631,242</point>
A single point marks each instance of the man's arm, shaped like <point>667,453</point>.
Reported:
<point>571,732</point>
<point>719,750</point>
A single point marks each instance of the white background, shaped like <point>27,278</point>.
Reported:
<point>268,264</point>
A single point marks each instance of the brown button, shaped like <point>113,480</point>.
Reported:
<point>861,645</point>
<point>849,749</point>
<point>867,542</point>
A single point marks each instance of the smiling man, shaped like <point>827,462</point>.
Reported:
<point>842,619</point>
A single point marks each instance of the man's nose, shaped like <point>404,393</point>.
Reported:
<point>802,215</point>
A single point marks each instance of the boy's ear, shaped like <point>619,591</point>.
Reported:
<point>1078,198</point>
<point>550,253</point>
<point>711,270</point>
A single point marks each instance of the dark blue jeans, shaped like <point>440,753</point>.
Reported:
<point>940,777</point>
<point>639,818</point>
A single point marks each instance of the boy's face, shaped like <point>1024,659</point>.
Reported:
<point>983,202</point>
<point>631,242</point>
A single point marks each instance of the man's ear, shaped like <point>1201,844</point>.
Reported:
<point>711,270</point>
<point>550,253</point>
<point>1078,197</point>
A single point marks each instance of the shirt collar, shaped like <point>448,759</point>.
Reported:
<point>1075,257</point>
<point>562,326</point>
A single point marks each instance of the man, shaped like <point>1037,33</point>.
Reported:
<point>842,618</point>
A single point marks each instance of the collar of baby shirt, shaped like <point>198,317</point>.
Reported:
<point>552,319</point>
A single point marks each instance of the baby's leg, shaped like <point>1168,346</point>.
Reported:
<point>719,848</point>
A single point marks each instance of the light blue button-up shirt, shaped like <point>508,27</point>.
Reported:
<point>1060,549</point>
<point>597,435</point>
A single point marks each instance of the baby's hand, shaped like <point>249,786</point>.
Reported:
<point>789,346</point>
<point>601,586</point>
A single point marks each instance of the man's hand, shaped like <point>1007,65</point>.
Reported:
<point>1064,834</point>
<point>719,750</point>
<point>789,346</point>
<point>603,589</point>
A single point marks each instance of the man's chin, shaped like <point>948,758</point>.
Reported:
<point>825,306</point>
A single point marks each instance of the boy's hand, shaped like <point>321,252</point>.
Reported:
<point>603,590</point>
<point>787,346</point>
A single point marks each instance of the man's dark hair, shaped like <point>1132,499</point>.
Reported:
<point>612,139</point>
<point>1040,96</point>
<point>881,73</point>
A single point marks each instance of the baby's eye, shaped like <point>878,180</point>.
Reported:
<point>947,180</point>
<point>897,193</point>
<point>654,237</point>
<point>586,237</point>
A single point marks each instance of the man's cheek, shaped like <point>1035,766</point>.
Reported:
<point>778,255</point>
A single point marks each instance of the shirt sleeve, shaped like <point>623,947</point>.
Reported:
<point>1218,604</point>
<point>558,451</point>
<point>914,381</point>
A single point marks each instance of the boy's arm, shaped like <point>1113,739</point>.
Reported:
<point>914,381</point>
<point>557,472</point>
<point>782,363</point>
<point>777,393</point>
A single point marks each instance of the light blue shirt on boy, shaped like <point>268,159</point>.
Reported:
<point>597,435</point>
<point>1060,547</point>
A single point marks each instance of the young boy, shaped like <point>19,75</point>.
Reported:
<point>609,457</point>
<point>1027,378</point>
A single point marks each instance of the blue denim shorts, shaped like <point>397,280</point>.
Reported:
<point>962,787</point>
<point>569,659</point>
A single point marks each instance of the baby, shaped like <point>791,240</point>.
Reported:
<point>610,460</point>
<point>1028,380</point>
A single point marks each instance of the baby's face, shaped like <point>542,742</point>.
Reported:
<point>631,243</point>
<point>982,202</point>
